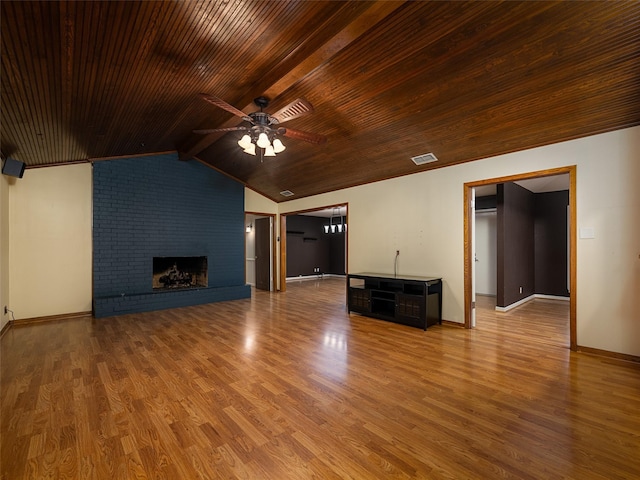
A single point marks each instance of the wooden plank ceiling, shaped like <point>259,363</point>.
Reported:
<point>389,80</point>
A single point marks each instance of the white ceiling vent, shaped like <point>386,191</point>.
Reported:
<point>286,193</point>
<point>424,158</point>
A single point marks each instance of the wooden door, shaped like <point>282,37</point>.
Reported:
<point>263,253</point>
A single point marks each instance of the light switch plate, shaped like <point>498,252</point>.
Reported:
<point>587,232</point>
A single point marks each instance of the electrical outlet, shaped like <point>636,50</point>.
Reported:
<point>6,310</point>
<point>520,289</point>
<point>397,252</point>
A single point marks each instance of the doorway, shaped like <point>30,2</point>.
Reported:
<point>470,244</point>
<point>259,251</point>
<point>486,255</point>
<point>320,229</point>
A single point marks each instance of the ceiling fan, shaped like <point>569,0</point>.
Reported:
<point>263,129</point>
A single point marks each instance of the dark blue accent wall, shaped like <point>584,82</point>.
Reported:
<point>158,206</point>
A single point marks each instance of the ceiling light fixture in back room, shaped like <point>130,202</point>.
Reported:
<point>335,227</point>
<point>263,130</point>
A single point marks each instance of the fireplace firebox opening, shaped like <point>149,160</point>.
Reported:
<point>179,272</point>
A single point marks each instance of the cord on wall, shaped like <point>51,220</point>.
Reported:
<point>395,264</point>
<point>6,310</point>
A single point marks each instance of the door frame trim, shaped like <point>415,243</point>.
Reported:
<point>468,247</point>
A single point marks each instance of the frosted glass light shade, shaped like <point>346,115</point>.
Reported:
<point>268,151</point>
<point>263,140</point>
<point>278,146</point>
<point>245,141</point>
<point>251,149</point>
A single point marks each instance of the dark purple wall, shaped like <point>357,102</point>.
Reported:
<point>551,243</point>
<point>337,250</point>
<point>309,247</point>
<point>515,232</point>
<point>532,243</point>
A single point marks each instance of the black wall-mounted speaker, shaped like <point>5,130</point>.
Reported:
<point>13,168</point>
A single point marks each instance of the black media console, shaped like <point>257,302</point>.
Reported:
<point>413,301</point>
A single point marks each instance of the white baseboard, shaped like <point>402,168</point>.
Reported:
<point>552,297</point>
<point>528,299</point>
<point>516,304</point>
<point>319,276</point>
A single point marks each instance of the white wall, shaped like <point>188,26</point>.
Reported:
<point>486,256</point>
<point>4,248</point>
<point>256,203</point>
<point>422,216</point>
<point>50,241</point>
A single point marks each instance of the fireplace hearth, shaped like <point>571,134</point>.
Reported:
<point>170,273</point>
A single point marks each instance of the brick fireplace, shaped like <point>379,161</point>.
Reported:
<point>156,216</point>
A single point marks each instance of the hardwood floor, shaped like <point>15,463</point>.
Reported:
<point>288,386</point>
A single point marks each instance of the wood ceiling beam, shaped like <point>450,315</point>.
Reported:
<point>374,14</point>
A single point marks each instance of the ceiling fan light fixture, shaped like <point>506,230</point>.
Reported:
<point>278,146</point>
<point>263,140</point>
<point>263,130</point>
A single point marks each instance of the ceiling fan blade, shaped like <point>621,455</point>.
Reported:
<point>214,130</point>
<point>295,109</point>
<point>300,135</point>
<point>218,102</point>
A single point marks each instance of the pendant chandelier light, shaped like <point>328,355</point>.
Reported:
<point>335,227</point>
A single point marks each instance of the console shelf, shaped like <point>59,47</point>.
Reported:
<point>409,300</point>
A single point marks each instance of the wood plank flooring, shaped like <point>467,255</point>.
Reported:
<point>288,386</point>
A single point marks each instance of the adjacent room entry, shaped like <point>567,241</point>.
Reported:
<point>259,251</point>
<point>485,253</point>
<point>473,251</point>
<point>262,253</point>
<point>313,243</point>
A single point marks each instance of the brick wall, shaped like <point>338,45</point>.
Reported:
<point>158,206</point>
